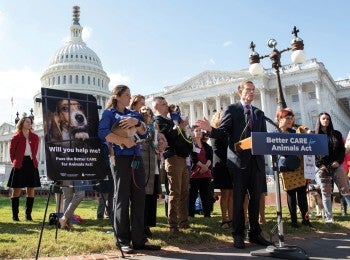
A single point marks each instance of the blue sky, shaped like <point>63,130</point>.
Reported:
<point>150,44</point>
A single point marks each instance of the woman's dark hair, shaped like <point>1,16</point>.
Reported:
<point>318,127</point>
<point>117,91</point>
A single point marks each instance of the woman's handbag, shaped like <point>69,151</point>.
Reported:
<point>293,179</point>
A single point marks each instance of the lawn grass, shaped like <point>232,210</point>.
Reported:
<point>20,239</point>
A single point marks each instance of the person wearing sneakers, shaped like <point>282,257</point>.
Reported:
<point>24,174</point>
<point>330,166</point>
<point>246,169</point>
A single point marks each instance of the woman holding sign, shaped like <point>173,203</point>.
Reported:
<point>292,167</point>
<point>129,175</point>
<point>23,152</point>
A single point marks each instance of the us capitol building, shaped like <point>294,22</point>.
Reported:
<point>308,88</point>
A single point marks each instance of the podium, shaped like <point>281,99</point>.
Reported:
<point>244,144</point>
<point>262,143</point>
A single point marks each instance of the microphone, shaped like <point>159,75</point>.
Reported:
<point>261,114</point>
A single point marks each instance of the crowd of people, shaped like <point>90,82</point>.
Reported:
<point>191,161</point>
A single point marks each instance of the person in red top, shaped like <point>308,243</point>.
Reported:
<point>200,178</point>
<point>24,174</point>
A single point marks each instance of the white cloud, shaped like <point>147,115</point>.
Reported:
<point>21,85</point>
<point>118,79</point>
<point>2,18</point>
<point>19,82</point>
<point>87,32</point>
<point>212,61</point>
<point>226,44</point>
<point>2,24</point>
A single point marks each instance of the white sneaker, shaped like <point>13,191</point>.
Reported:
<point>329,220</point>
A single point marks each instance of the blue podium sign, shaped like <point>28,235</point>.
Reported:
<point>288,144</point>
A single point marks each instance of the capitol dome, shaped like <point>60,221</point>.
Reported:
<point>76,52</point>
<point>75,67</point>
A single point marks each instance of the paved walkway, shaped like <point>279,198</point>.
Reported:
<point>322,246</point>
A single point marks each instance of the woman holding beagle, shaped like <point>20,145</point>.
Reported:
<point>129,173</point>
<point>23,152</point>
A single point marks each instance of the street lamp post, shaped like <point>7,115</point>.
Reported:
<point>23,115</point>
<point>298,56</point>
<point>255,68</point>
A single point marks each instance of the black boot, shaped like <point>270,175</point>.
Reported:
<point>15,205</point>
<point>29,207</point>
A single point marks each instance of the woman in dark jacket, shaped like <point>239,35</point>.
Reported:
<point>23,152</point>
<point>200,178</point>
<point>330,166</point>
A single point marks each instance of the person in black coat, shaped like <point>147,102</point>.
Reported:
<point>246,170</point>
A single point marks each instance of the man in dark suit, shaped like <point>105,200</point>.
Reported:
<point>247,170</point>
